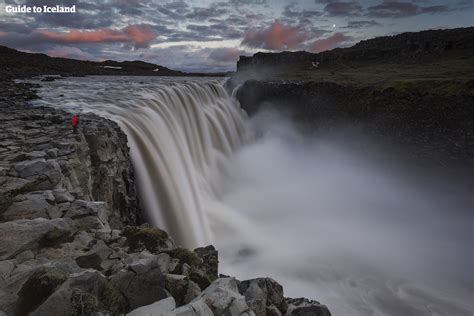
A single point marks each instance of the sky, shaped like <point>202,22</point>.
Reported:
<point>210,35</point>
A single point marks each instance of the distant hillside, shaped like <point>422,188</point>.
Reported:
<point>406,48</point>
<point>16,64</point>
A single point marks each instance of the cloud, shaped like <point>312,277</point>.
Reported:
<point>333,41</point>
<point>341,8</point>
<point>275,37</point>
<point>226,54</point>
<point>138,36</point>
<point>400,9</point>
<point>361,24</point>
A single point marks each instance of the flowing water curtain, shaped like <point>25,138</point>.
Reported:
<point>181,138</point>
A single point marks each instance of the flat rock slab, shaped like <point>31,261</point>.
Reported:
<point>18,236</point>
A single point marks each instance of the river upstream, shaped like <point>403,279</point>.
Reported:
<point>362,231</point>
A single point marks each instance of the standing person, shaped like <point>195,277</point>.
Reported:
<point>75,123</point>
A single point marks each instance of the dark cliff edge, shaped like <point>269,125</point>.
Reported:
<point>415,88</point>
<point>69,240</point>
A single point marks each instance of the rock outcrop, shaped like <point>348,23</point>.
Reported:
<point>47,171</point>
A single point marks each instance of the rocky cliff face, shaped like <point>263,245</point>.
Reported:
<point>41,155</point>
<point>69,244</point>
<point>430,125</point>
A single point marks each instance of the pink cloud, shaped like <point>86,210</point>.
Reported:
<point>277,37</point>
<point>138,35</point>
<point>327,43</point>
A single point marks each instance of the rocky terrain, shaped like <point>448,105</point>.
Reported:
<point>416,89</point>
<point>70,243</point>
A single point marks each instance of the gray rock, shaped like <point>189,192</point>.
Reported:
<point>305,307</point>
<point>48,171</point>
<point>223,298</point>
<point>144,282</point>
<point>32,205</point>
<point>96,258</point>
<point>24,256</point>
<point>262,295</point>
<point>160,308</point>
<point>62,196</point>
<point>198,308</point>
<point>88,285</point>
<point>21,235</point>
<point>81,208</point>
<point>160,262</point>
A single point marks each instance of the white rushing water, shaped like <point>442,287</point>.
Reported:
<point>328,217</point>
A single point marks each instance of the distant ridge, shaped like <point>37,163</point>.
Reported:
<point>405,48</point>
<point>16,64</point>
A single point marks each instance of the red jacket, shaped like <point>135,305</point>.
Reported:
<point>75,120</point>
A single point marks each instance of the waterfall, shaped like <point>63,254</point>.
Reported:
<point>181,135</point>
<point>180,140</point>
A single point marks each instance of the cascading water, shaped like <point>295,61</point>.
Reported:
<point>181,136</point>
<point>329,217</point>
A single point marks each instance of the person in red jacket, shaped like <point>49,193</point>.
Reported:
<point>75,123</point>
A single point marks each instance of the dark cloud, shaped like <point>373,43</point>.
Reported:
<point>400,9</point>
<point>291,11</point>
<point>341,8</point>
<point>361,24</point>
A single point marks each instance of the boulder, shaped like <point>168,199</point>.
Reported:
<point>263,295</point>
<point>80,292</point>
<point>223,298</point>
<point>144,281</point>
<point>305,307</point>
<point>96,258</point>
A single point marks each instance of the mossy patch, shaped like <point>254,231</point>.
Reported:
<point>83,303</point>
<point>5,201</point>
<point>113,300</point>
<point>54,237</point>
<point>149,238</point>
<point>37,289</point>
<point>186,256</point>
<point>200,277</point>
